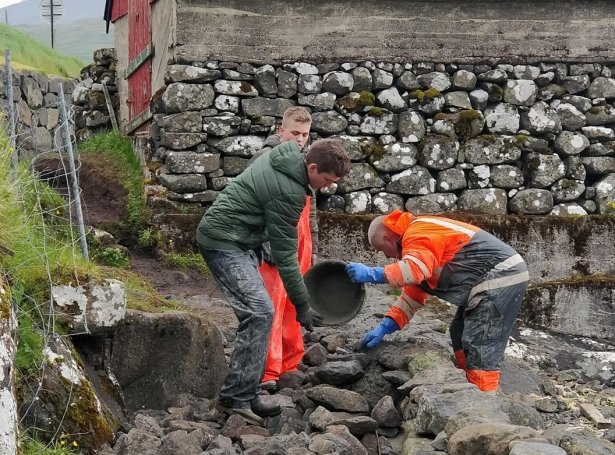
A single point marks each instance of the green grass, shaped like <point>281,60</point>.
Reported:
<point>186,261</point>
<point>35,226</point>
<point>36,232</point>
<point>33,447</point>
<point>29,54</point>
<point>29,354</point>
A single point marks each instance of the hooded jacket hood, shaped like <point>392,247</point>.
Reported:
<point>287,159</point>
<point>398,221</point>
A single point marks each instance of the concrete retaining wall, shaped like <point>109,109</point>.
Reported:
<point>571,263</point>
<point>445,31</point>
<point>555,248</point>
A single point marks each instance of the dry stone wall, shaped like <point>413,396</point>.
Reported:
<point>424,136</point>
<point>92,114</point>
<point>36,103</point>
<point>36,108</point>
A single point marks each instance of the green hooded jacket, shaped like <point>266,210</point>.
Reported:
<point>263,203</point>
<point>271,142</point>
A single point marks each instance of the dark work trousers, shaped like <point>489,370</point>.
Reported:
<point>237,275</point>
<point>483,326</point>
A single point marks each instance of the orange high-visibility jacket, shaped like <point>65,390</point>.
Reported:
<point>446,258</point>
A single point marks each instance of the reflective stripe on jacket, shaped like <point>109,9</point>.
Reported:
<point>445,258</point>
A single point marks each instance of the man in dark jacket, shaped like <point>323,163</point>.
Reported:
<point>286,347</point>
<point>263,203</point>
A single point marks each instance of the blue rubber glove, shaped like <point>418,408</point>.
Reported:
<point>360,273</point>
<point>375,336</point>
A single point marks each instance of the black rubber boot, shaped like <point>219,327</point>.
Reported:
<point>262,409</point>
<point>249,415</point>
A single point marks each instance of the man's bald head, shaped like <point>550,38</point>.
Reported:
<point>382,238</point>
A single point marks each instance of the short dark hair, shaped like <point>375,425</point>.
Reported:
<point>329,156</point>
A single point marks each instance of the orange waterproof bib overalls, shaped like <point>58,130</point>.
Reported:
<point>285,349</point>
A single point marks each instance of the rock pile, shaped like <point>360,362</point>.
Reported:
<point>403,397</point>
<point>90,105</point>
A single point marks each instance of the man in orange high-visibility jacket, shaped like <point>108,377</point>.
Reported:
<point>456,262</point>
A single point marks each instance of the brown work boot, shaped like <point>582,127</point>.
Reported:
<point>246,413</point>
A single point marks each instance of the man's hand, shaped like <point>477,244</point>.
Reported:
<point>360,273</point>
<point>308,319</point>
<point>375,336</point>
<point>263,254</point>
<point>267,255</point>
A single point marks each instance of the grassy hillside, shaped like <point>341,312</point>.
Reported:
<point>79,38</point>
<point>27,53</point>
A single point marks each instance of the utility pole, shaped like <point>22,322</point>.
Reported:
<point>51,17</point>
<point>52,10</point>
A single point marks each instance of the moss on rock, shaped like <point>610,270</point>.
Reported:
<point>366,99</point>
<point>425,361</point>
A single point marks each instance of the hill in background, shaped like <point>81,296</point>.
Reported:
<point>79,38</point>
<point>79,32</point>
<point>29,54</point>
<point>28,11</point>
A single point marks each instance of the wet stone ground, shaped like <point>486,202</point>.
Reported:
<point>402,397</point>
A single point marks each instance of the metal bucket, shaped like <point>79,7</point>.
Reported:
<point>332,294</point>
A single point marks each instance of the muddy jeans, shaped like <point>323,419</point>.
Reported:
<point>237,275</point>
<point>482,327</point>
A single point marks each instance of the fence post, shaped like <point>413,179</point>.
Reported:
<point>9,96</point>
<point>74,182</point>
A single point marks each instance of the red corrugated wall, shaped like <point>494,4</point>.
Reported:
<point>119,9</point>
<point>139,38</point>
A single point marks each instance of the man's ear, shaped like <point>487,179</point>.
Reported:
<point>312,167</point>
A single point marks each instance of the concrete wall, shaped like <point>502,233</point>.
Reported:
<point>554,248</point>
<point>442,31</point>
<point>584,308</point>
<point>571,263</point>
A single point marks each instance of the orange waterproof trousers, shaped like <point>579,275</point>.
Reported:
<point>285,349</point>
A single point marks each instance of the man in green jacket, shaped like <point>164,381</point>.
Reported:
<point>263,203</point>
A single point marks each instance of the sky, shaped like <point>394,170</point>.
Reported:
<point>4,3</point>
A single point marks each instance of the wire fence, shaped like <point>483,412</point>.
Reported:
<point>36,184</point>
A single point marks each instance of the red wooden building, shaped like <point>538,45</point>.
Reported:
<point>142,54</point>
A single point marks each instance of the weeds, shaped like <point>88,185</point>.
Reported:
<point>149,238</point>
<point>112,257</point>
<point>186,261</point>
<point>63,447</point>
